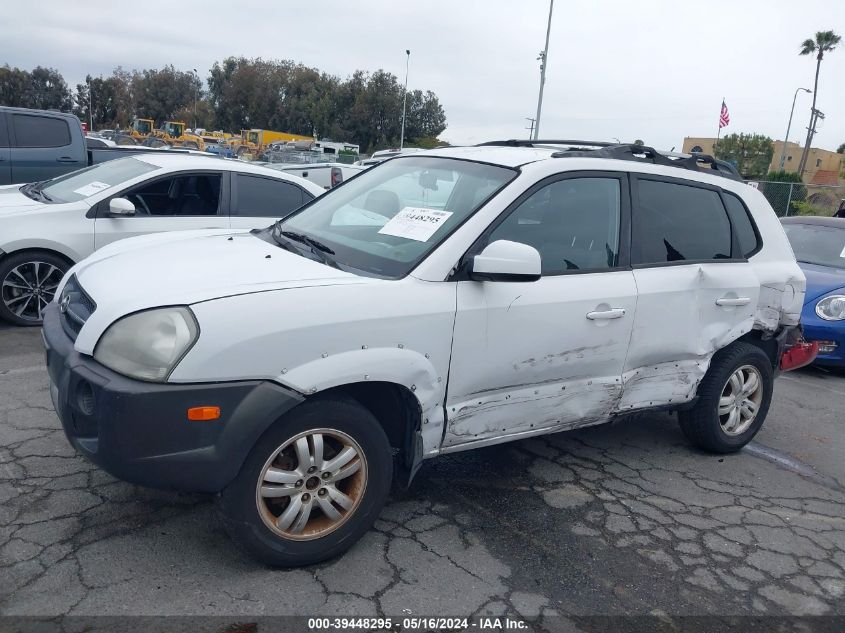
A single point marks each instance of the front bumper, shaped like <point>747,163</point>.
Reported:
<point>817,329</point>
<point>139,431</point>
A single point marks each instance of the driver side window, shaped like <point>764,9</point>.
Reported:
<point>188,195</point>
<point>573,223</point>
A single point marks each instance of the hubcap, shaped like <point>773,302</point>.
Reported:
<point>740,400</point>
<point>28,288</point>
<point>311,484</point>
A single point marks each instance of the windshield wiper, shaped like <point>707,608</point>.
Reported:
<point>320,250</point>
<point>39,189</point>
<point>305,239</point>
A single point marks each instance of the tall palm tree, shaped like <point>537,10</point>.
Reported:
<point>825,42</point>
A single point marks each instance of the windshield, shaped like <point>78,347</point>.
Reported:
<point>86,182</point>
<point>387,219</point>
<point>143,127</point>
<point>816,244</point>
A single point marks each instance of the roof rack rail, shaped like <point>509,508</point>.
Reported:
<point>544,142</point>
<point>645,154</point>
<point>626,151</point>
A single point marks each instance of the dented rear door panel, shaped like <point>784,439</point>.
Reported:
<point>685,313</point>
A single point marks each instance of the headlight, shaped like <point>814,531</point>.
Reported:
<point>148,345</point>
<point>831,308</point>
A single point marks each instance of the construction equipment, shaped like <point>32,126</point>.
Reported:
<point>256,141</point>
<point>173,133</point>
<point>140,128</point>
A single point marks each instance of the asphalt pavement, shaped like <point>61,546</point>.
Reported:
<point>622,519</point>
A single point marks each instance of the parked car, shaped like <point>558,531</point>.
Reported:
<point>819,246</point>
<point>46,227</point>
<point>36,145</point>
<point>93,141</point>
<point>326,175</point>
<point>383,154</point>
<point>435,303</point>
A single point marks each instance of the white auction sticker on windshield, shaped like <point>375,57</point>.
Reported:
<point>415,223</point>
<point>842,254</point>
<point>91,188</point>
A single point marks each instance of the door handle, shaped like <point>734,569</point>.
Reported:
<point>65,159</point>
<point>737,301</point>
<point>615,313</point>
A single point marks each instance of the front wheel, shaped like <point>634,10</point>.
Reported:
<point>28,282</point>
<point>733,400</point>
<point>312,485</point>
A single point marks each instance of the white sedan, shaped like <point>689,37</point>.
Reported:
<point>46,227</point>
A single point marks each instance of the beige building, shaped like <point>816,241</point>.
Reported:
<point>823,166</point>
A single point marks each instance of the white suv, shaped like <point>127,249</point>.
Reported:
<point>435,303</point>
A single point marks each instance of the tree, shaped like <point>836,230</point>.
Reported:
<point>13,86</point>
<point>160,94</point>
<point>43,88</point>
<point>751,153</point>
<point>841,149</point>
<point>110,100</point>
<point>825,42</point>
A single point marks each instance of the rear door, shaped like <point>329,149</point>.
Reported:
<point>535,356</point>
<point>5,153</point>
<point>696,290</point>
<point>43,147</point>
<point>177,202</point>
<point>258,201</point>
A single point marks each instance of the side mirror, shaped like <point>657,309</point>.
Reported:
<point>506,261</point>
<point>121,208</point>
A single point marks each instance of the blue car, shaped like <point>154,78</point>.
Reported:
<point>819,245</point>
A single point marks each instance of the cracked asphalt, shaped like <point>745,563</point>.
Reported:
<point>618,519</point>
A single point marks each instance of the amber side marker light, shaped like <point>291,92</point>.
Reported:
<point>203,414</point>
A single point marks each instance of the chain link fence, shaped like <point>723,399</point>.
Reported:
<point>795,198</point>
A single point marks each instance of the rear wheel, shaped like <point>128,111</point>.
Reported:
<point>312,485</point>
<point>28,282</point>
<point>733,400</point>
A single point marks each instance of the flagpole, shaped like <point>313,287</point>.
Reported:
<point>719,132</point>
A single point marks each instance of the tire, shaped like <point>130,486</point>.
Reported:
<point>28,282</point>
<point>702,424</point>
<point>248,514</point>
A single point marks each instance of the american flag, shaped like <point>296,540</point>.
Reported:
<point>724,117</point>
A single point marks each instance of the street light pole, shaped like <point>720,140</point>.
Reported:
<point>196,91</point>
<point>90,109</point>
<point>405,98</point>
<point>789,125</point>
<point>544,57</point>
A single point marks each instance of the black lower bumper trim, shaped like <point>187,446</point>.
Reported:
<point>139,431</point>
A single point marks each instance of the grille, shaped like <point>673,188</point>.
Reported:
<point>78,307</point>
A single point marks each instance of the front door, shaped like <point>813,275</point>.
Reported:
<point>178,202</point>
<point>548,354</point>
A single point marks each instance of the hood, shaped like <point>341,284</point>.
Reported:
<point>821,280</point>
<point>13,201</point>
<point>186,267</point>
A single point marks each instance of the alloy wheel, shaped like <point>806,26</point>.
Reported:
<point>311,484</point>
<point>29,287</point>
<point>740,400</point>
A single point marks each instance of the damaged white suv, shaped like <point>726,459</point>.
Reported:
<point>437,302</point>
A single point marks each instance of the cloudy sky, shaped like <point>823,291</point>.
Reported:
<point>650,69</point>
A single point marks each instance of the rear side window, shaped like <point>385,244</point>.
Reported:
<point>267,198</point>
<point>673,222</point>
<point>742,225</point>
<point>40,131</point>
